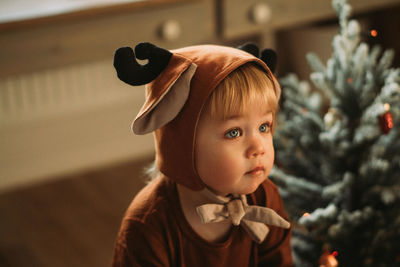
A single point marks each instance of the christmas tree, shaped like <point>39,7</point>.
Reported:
<point>338,154</point>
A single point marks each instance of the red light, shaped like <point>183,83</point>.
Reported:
<point>390,123</point>
<point>374,33</point>
<point>335,253</point>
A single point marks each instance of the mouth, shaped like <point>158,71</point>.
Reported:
<point>256,170</point>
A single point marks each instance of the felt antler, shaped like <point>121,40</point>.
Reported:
<point>267,55</point>
<point>250,48</point>
<point>131,72</point>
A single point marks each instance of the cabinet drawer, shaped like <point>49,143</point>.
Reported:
<point>173,26</point>
<point>240,18</point>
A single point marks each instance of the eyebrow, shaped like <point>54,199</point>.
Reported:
<point>236,116</point>
<point>232,117</point>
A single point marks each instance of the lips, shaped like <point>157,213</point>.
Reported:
<point>256,170</point>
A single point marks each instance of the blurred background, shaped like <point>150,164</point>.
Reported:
<point>69,165</point>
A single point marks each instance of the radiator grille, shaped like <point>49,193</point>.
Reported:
<point>64,90</point>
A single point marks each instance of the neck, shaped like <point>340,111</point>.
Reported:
<point>189,201</point>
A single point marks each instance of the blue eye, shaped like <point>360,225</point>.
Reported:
<point>234,133</point>
<point>264,127</point>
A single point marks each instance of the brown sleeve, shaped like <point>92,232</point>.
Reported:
<point>138,244</point>
<point>276,250</point>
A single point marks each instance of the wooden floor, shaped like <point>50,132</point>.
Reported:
<point>70,222</point>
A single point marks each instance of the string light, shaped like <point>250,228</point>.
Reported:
<point>390,122</point>
<point>374,33</point>
<point>306,214</point>
<point>328,259</point>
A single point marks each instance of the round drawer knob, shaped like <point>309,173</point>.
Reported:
<point>260,13</point>
<point>170,30</point>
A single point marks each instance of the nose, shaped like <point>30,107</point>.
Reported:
<point>256,147</point>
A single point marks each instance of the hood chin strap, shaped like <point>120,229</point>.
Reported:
<point>254,219</point>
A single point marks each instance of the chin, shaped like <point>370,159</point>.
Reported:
<point>239,190</point>
<point>249,190</point>
<point>252,188</point>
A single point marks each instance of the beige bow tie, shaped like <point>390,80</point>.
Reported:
<point>253,219</point>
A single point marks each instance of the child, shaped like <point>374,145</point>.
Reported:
<point>212,110</point>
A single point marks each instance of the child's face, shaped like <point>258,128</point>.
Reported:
<point>234,156</point>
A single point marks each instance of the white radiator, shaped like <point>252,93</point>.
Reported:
<point>65,120</point>
<point>53,92</point>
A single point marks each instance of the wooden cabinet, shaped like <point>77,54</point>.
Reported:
<point>77,38</point>
<point>89,35</point>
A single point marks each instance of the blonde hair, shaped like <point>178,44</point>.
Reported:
<point>240,88</point>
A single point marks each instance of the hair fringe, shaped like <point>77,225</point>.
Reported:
<point>253,82</point>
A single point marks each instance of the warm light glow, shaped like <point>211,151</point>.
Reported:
<point>374,33</point>
<point>306,214</point>
<point>329,261</point>
<point>386,106</point>
<point>335,253</point>
<point>390,123</point>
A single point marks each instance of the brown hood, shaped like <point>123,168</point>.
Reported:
<point>174,101</point>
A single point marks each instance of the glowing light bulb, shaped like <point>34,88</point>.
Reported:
<point>374,33</point>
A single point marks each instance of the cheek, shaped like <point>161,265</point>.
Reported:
<point>215,162</point>
<point>270,158</point>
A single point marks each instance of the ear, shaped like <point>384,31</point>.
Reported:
<point>167,77</point>
<point>269,56</point>
<point>162,107</point>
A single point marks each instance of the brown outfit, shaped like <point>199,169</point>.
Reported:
<point>154,232</point>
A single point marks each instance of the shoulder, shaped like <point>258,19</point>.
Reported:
<point>151,207</point>
<point>150,216</point>
<point>146,227</point>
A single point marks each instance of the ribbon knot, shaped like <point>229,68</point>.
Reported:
<point>254,219</point>
<point>235,210</point>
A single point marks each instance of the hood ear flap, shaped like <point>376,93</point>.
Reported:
<point>131,72</point>
<point>167,76</point>
<point>158,111</point>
